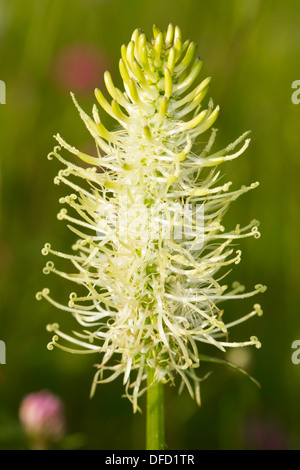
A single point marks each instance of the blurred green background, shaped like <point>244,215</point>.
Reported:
<point>251,49</point>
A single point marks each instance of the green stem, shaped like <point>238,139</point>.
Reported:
<point>155,413</point>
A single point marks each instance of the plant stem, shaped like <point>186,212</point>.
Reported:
<point>155,414</point>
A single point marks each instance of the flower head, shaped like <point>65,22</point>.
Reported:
<point>42,416</point>
<point>148,215</point>
<point>78,67</point>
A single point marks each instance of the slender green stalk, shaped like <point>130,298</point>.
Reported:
<point>155,414</point>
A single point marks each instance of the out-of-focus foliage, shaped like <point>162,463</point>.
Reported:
<point>251,49</point>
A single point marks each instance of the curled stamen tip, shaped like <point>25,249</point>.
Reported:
<point>72,297</point>
<point>261,288</point>
<point>51,345</point>
<point>237,285</point>
<point>219,324</point>
<point>49,267</point>
<point>258,309</point>
<point>50,156</point>
<point>46,249</point>
<point>238,257</point>
<point>86,241</point>
<point>256,233</point>
<point>43,293</point>
<point>61,215</point>
<point>255,222</point>
<point>39,296</point>
<point>52,327</point>
<point>256,342</point>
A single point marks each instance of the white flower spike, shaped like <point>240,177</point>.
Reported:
<point>149,220</point>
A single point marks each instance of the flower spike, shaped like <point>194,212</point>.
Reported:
<point>152,250</point>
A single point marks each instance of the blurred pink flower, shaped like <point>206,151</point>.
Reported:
<point>79,68</point>
<point>264,433</point>
<point>42,417</point>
